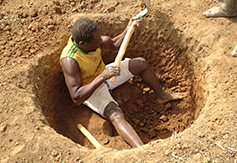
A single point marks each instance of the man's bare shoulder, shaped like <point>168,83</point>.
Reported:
<point>69,65</point>
<point>107,43</point>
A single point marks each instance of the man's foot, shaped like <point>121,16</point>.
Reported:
<point>214,12</point>
<point>166,97</point>
<point>234,52</point>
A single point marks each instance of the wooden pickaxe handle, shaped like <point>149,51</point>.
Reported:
<point>123,48</point>
<point>89,136</point>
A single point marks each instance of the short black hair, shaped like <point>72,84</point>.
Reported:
<point>83,30</point>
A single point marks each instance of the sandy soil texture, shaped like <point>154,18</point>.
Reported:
<point>188,52</point>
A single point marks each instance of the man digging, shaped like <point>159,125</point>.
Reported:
<point>87,77</point>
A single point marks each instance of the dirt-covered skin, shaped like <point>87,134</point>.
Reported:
<point>188,52</point>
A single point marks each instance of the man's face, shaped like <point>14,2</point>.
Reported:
<point>93,44</point>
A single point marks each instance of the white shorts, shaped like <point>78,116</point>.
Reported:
<point>101,96</point>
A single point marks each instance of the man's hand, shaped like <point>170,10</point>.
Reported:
<point>137,22</point>
<point>111,71</point>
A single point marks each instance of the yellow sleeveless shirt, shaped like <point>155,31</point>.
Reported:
<point>91,64</point>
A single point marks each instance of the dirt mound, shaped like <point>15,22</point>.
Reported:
<point>189,54</point>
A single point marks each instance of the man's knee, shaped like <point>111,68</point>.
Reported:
<point>143,63</point>
<point>140,60</point>
<point>138,65</point>
<point>117,116</point>
<point>113,112</point>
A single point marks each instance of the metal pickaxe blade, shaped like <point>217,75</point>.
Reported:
<point>145,11</point>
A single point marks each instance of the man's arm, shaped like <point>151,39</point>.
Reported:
<point>73,80</point>
<point>114,43</point>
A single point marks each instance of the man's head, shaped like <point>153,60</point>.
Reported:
<point>86,34</point>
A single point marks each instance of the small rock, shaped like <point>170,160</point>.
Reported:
<point>32,12</point>
<point>74,10</point>
<point>167,152</point>
<point>6,53</point>
<point>139,101</point>
<point>7,28</point>
<point>167,106</point>
<point>164,118</point>
<point>82,6</point>
<point>201,134</point>
<point>51,27</point>
<point>54,153</point>
<point>5,17</point>
<point>141,124</point>
<point>34,26</point>
<point>23,38</point>
<point>24,21</point>
<point>185,146</point>
<point>64,2</point>
<point>110,9</point>
<point>57,9</point>
<point>3,127</point>
<point>63,10</point>
<point>213,137</point>
<point>19,14</point>
<point>136,121</point>
<point>56,2</point>
<point>59,21</point>
<point>18,53</point>
<point>94,1</point>
<point>146,90</point>
<point>32,51</point>
<point>50,22</point>
<point>197,157</point>
<point>152,133</point>
<point>98,7</point>
<point>25,14</point>
<point>144,129</point>
<point>3,42</point>
<point>12,43</point>
<point>105,141</point>
<point>214,119</point>
<point>73,3</point>
<point>21,32</point>
<point>2,47</point>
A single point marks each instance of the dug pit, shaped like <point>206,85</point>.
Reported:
<point>171,58</point>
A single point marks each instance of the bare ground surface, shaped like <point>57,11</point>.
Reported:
<point>188,52</point>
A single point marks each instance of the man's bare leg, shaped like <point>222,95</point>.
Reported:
<point>139,66</point>
<point>115,115</point>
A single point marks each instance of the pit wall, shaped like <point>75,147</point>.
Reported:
<point>171,55</point>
